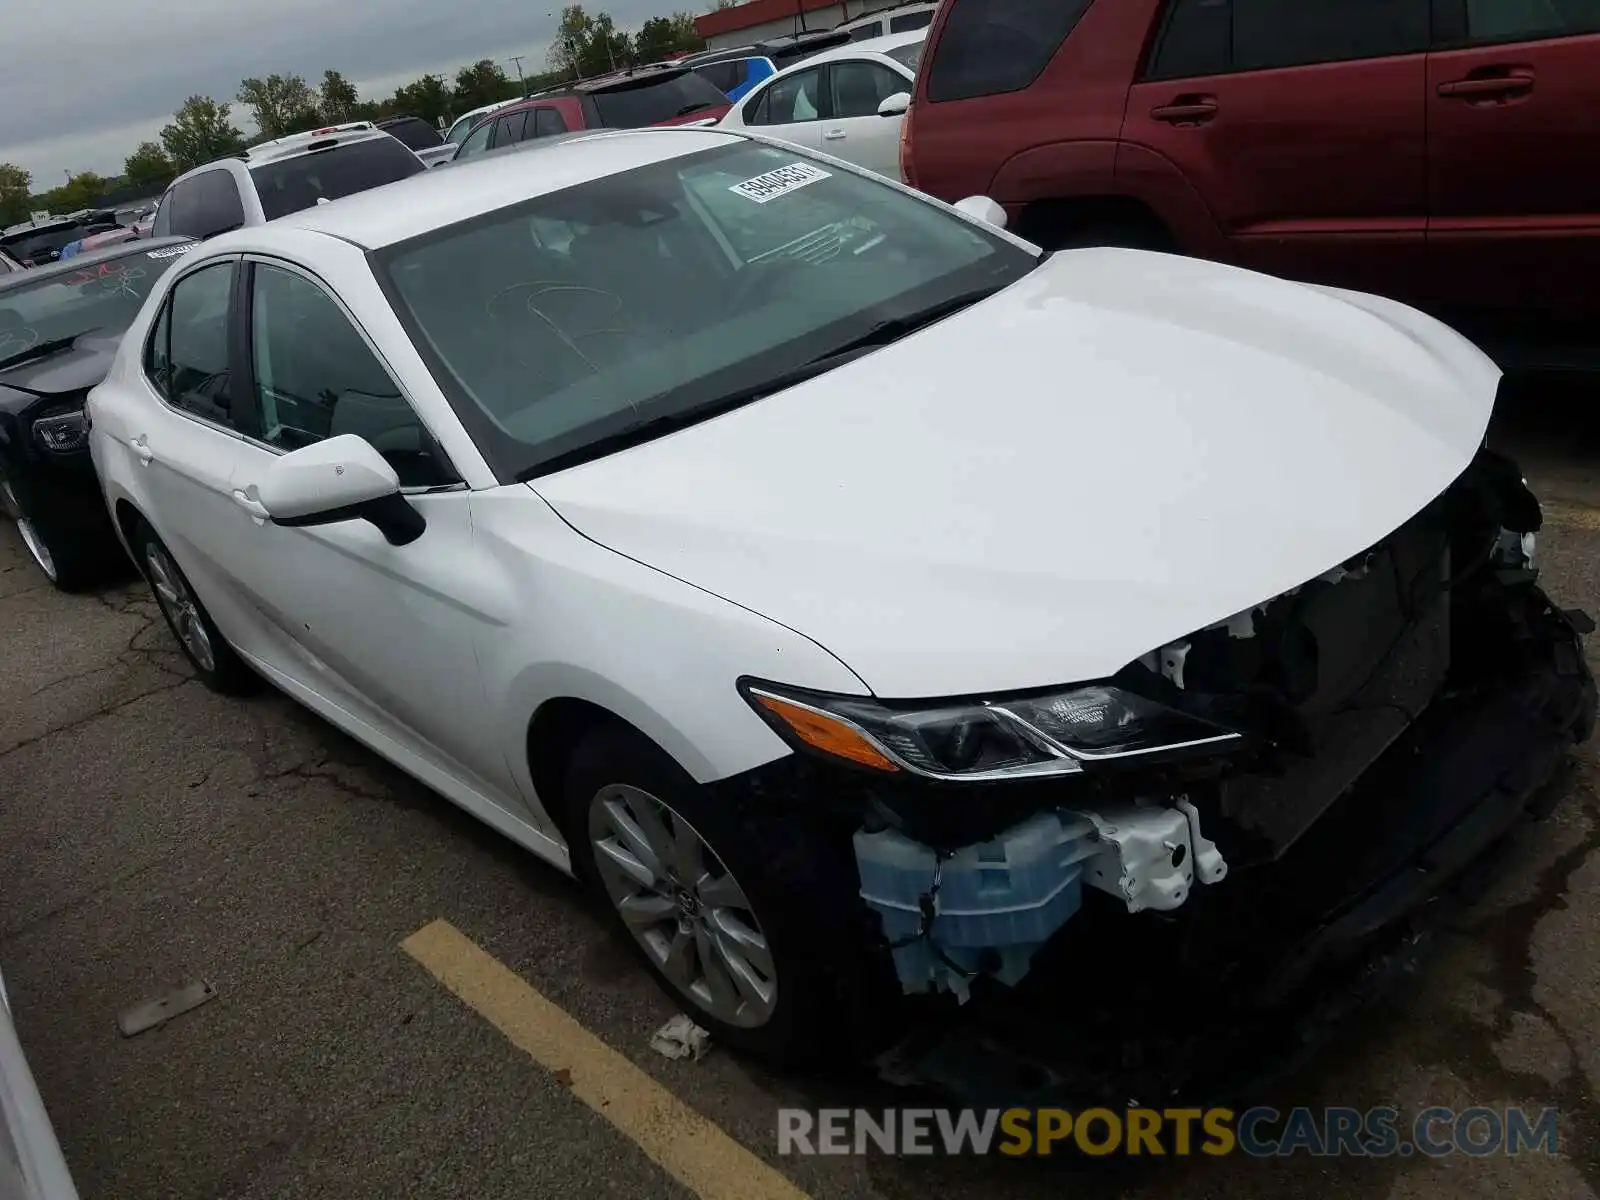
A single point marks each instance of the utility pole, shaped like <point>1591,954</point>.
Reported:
<point>521,82</point>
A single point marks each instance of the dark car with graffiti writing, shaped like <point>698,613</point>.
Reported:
<point>60,326</point>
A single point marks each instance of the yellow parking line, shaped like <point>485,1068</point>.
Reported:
<point>688,1147</point>
<point>1567,515</point>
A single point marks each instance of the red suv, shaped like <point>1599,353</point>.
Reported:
<point>1437,151</point>
<point>647,96</point>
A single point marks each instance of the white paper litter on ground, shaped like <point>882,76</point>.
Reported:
<point>681,1038</point>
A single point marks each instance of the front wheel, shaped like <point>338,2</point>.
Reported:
<point>689,888</point>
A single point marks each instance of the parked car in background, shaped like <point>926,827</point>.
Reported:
<point>426,142</point>
<point>651,96</point>
<point>1421,151</point>
<point>902,18</point>
<point>59,330</point>
<point>848,101</point>
<point>97,241</point>
<point>783,51</point>
<point>32,1166</point>
<point>8,264</point>
<point>280,177</point>
<point>420,460</point>
<point>734,77</point>
<point>468,121</point>
<point>40,241</point>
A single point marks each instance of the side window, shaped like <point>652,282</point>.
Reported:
<point>871,29</point>
<point>1211,37</point>
<point>993,46</point>
<point>755,113</point>
<point>509,130</point>
<point>1487,21</point>
<point>220,206</point>
<point>917,20</point>
<point>795,98</point>
<point>161,223</point>
<point>316,377</point>
<point>860,86</point>
<point>724,76</point>
<point>548,121</point>
<point>188,354</point>
<point>477,141</point>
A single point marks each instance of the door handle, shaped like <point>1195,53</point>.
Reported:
<point>1486,87</point>
<point>833,135</point>
<point>1186,110</point>
<point>141,448</point>
<point>254,507</point>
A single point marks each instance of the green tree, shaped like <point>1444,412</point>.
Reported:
<point>655,40</point>
<point>147,167</point>
<point>481,83</point>
<point>16,187</point>
<point>572,37</point>
<point>200,132</point>
<point>428,98</point>
<point>337,97</point>
<point>80,191</point>
<point>686,38</point>
<point>280,104</point>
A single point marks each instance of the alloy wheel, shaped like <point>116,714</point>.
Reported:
<point>29,531</point>
<point>179,606</point>
<point>682,905</point>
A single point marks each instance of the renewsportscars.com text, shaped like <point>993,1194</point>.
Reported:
<point>1255,1132</point>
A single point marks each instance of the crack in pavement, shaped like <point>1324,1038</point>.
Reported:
<point>104,711</point>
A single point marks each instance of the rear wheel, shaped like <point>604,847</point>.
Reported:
<point>214,661</point>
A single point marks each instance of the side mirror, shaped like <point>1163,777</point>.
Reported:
<point>984,209</point>
<point>340,479</point>
<point>895,105</point>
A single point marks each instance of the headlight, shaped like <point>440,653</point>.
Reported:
<point>1018,737</point>
<point>63,431</point>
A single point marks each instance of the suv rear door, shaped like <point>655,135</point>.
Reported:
<point>1301,127</point>
<point>1513,101</point>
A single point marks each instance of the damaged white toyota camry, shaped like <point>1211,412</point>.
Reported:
<point>862,601</point>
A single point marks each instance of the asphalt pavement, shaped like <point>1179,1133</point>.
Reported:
<point>153,834</point>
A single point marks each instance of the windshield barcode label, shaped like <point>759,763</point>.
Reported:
<point>775,183</point>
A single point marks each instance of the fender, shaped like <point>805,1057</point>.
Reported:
<point>1155,180</point>
<point>1056,171</point>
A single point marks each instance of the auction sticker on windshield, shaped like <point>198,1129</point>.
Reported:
<point>776,182</point>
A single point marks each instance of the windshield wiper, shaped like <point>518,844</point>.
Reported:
<point>892,329</point>
<point>41,350</point>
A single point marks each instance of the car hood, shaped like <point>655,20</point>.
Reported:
<point>1115,451</point>
<point>66,374</point>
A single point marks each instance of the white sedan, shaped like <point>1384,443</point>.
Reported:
<point>849,102</point>
<point>842,587</point>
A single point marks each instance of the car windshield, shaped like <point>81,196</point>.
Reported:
<point>290,184</point>
<point>57,303</point>
<point>646,101</point>
<point>908,55</point>
<point>565,322</point>
<point>415,133</point>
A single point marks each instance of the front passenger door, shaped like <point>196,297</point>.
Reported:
<point>856,133</point>
<point>385,632</point>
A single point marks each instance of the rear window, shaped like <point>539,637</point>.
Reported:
<point>724,76</point>
<point>43,243</point>
<point>992,46</point>
<point>292,184</point>
<point>916,20</point>
<point>908,56</point>
<point>656,100</point>
<point>415,133</point>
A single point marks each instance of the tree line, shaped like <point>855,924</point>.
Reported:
<point>202,129</point>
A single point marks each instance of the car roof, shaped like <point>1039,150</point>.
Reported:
<point>89,258</point>
<point>299,144</point>
<point>380,216</point>
<point>884,14</point>
<point>877,45</point>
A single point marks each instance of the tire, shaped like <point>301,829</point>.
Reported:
<point>70,565</point>
<point>214,661</point>
<point>739,904</point>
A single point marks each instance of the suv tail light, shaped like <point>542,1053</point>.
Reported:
<point>908,173</point>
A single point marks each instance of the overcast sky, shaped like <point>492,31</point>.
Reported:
<point>83,102</point>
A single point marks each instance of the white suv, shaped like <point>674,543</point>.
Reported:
<point>280,177</point>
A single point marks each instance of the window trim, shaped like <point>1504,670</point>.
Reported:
<point>246,326</point>
<point>233,262</point>
<point>1147,72</point>
<point>1449,30</point>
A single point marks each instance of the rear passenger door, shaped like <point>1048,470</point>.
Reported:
<point>510,129</point>
<point>793,108</point>
<point>1513,103</point>
<point>1301,126</point>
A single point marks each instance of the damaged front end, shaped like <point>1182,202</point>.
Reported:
<point>1292,778</point>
